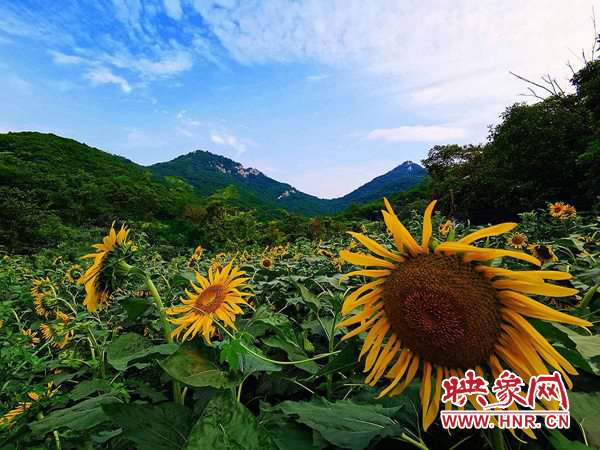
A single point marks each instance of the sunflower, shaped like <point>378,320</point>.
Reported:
<point>543,252</point>
<point>445,311</point>
<point>32,335</point>
<point>517,240</point>
<point>556,209</point>
<point>217,297</point>
<point>197,253</point>
<point>267,263</point>
<point>43,296</point>
<point>57,333</point>
<point>73,273</point>
<point>569,212</point>
<point>96,289</point>
<point>11,415</point>
<point>325,252</point>
<point>216,265</point>
<point>446,228</point>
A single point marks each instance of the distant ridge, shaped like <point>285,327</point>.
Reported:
<point>209,173</point>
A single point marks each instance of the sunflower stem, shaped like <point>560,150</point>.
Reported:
<point>330,349</point>
<point>588,296</point>
<point>166,330</point>
<point>497,440</point>
<point>273,361</point>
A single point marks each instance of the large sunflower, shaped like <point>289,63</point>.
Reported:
<point>444,310</point>
<point>217,297</point>
<point>96,289</point>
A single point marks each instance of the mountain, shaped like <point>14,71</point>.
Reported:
<point>53,187</point>
<point>400,178</point>
<point>50,186</point>
<point>208,173</point>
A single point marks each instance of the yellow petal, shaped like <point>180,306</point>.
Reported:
<point>484,254</point>
<point>375,247</point>
<point>530,308</point>
<point>427,228</point>
<point>378,273</point>
<point>360,259</point>
<point>494,230</point>
<point>550,290</point>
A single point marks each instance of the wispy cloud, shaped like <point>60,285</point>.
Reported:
<point>418,134</point>
<point>102,75</point>
<point>228,140</point>
<point>173,9</point>
<point>63,58</point>
<point>317,77</point>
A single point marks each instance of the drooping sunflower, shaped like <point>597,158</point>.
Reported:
<point>218,297</point>
<point>544,253</point>
<point>32,336</point>
<point>57,333</point>
<point>73,273</point>
<point>96,289</point>
<point>443,310</point>
<point>517,240</point>
<point>43,296</point>
<point>11,415</point>
<point>446,227</point>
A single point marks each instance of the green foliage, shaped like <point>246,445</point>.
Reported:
<point>248,389</point>
<point>152,427</point>
<point>228,425</point>
<point>131,347</point>
<point>539,153</point>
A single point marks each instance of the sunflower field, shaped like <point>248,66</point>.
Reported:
<point>330,344</point>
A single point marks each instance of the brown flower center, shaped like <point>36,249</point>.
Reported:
<point>517,239</point>
<point>210,299</point>
<point>443,310</point>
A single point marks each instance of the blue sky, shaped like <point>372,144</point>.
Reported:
<point>324,95</point>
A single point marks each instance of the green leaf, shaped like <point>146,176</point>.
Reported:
<point>228,425</point>
<point>585,409</point>
<point>239,358</point>
<point>152,427</point>
<point>82,416</point>
<point>345,359</point>
<point>189,366</point>
<point>131,347</point>
<point>86,388</point>
<point>189,275</point>
<point>308,296</point>
<point>587,346</point>
<point>344,423</point>
<point>293,351</point>
<point>559,442</point>
<point>135,307</point>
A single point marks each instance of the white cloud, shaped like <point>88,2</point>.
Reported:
<point>63,58</point>
<point>169,64</point>
<point>103,75</point>
<point>317,77</point>
<point>173,9</point>
<point>436,57</point>
<point>417,134</point>
<point>228,140</point>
